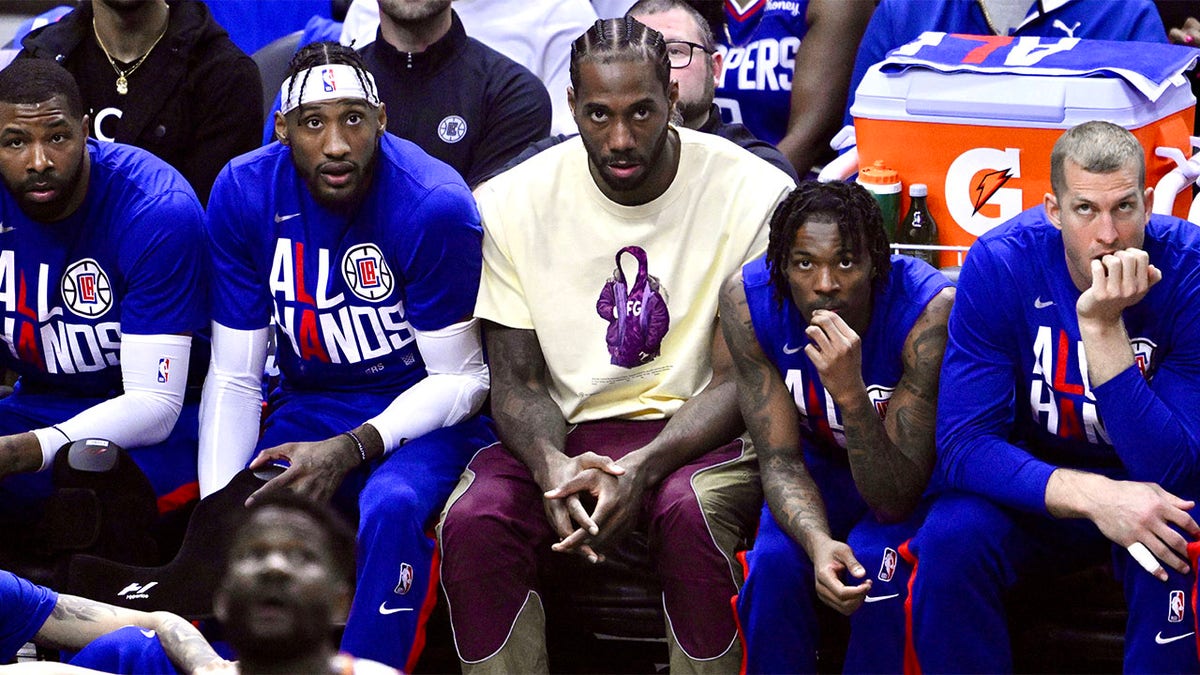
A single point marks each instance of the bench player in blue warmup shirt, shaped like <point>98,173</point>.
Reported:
<point>1070,415</point>
<point>366,252</point>
<point>101,286</point>
<point>829,326</point>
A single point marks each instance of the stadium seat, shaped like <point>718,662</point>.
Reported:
<point>185,585</point>
<point>102,504</point>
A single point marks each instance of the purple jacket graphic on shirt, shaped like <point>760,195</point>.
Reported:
<point>637,314</point>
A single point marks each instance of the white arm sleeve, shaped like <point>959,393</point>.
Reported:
<point>454,390</point>
<point>154,370</point>
<point>231,407</point>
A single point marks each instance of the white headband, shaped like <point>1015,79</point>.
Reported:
<point>327,82</point>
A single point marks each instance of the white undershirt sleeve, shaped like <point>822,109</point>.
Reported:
<point>454,390</point>
<point>231,407</point>
<point>154,370</point>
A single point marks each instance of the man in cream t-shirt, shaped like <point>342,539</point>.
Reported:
<point>611,390</point>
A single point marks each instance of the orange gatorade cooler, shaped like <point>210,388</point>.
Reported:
<point>975,117</point>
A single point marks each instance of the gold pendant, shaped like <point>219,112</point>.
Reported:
<point>122,85</point>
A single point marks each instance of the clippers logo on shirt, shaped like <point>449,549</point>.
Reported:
<point>86,289</point>
<point>452,129</point>
<point>324,324</point>
<point>37,331</point>
<point>367,273</point>
<point>1175,607</point>
<point>1060,396</point>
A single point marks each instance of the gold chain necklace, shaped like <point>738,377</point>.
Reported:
<point>122,75</point>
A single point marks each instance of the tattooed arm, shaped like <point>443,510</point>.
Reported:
<point>891,459</point>
<point>794,499</point>
<point>770,415</point>
<point>531,426</point>
<point>76,621</point>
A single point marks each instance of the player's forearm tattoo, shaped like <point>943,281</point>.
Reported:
<point>891,460</point>
<point>184,644</point>
<point>793,496</point>
<point>71,607</point>
<point>521,406</point>
<point>769,414</point>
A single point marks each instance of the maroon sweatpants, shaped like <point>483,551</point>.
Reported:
<point>495,533</point>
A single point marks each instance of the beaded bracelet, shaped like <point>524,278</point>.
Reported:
<point>362,449</point>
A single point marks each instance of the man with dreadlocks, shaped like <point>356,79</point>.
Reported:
<point>631,361</point>
<point>366,251</point>
<point>837,349</point>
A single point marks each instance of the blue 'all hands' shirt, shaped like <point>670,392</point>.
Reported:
<point>1015,402</point>
<point>130,260</point>
<point>345,292</point>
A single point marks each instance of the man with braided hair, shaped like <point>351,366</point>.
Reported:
<point>649,404</point>
<point>837,349</point>
<point>366,251</point>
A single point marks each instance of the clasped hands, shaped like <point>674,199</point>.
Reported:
<point>615,490</point>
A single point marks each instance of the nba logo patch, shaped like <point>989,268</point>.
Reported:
<point>887,568</point>
<point>406,579</point>
<point>327,80</point>
<point>164,369</point>
<point>1175,607</point>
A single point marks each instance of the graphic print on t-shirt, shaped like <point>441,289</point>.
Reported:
<point>636,313</point>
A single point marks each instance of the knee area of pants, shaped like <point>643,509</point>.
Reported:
<point>779,563</point>
<point>394,503</point>
<point>954,549</point>
<point>679,512</point>
<point>464,529</point>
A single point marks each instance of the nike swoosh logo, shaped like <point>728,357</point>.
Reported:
<point>1040,304</point>
<point>1159,639</point>
<point>148,633</point>
<point>280,219</point>
<point>385,610</point>
<point>877,598</point>
<point>790,350</point>
<point>6,228</point>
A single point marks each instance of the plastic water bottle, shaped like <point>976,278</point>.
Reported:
<point>918,226</point>
<point>883,184</point>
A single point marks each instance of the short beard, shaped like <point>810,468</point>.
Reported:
<point>695,111</point>
<point>401,14</point>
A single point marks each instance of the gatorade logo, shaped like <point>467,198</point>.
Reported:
<point>988,184</point>
<point>976,180</point>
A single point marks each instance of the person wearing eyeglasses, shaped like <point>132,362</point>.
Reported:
<point>696,65</point>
